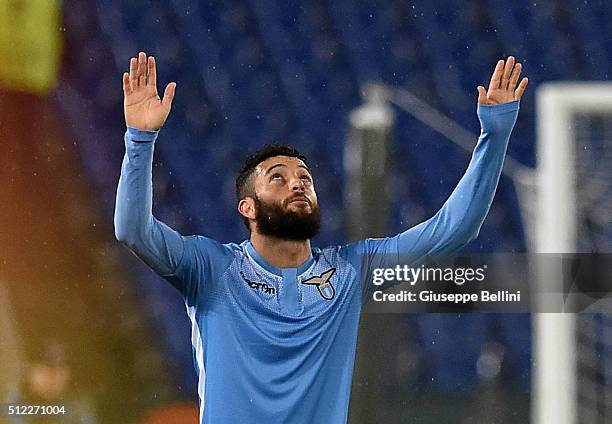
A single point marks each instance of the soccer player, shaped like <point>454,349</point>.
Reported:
<point>274,320</point>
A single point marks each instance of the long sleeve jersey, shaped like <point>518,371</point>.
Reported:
<point>278,345</point>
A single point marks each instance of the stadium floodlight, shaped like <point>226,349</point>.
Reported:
<point>366,167</point>
<point>366,158</point>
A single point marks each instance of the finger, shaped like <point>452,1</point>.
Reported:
<point>518,93</point>
<point>127,89</point>
<point>169,94</point>
<point>516,73</point>
<point>142,69</point>
<point>507,72</point>
<point>152,80</point>
<point>497,75</point>
<point>482,95</point>
<point>133,73</point>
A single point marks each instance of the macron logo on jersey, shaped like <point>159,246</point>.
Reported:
<point>258,286</point>
<point>325,287</point>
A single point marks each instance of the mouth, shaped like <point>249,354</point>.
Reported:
<point>300,199</point>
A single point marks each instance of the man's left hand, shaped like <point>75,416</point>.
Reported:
<point>503,86</point>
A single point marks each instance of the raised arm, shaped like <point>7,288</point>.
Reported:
<point>459,220</point>
<point>155,243</point>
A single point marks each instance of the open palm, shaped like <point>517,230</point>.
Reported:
<point>503,86</point>
<point>142,106</point>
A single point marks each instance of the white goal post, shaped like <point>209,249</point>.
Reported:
<point>555,378</point>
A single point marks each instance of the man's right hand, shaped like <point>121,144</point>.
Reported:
<point>143,108</point>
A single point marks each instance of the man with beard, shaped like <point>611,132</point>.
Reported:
<point>275,320</point>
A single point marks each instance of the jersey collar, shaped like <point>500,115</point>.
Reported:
<point>271,268</point>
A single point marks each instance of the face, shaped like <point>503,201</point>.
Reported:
<point>285,205</point>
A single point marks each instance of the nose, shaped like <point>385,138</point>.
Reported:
<point>297,184</point>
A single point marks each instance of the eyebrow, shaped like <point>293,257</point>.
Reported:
<point>282,164</point>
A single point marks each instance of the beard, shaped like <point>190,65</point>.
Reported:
<point>274,221</point>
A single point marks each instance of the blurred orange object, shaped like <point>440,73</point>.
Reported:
<point>178,413</point>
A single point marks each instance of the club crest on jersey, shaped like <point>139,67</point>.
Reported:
<point>325,287</point>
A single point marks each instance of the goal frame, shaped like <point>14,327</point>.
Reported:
<point>554,343</point>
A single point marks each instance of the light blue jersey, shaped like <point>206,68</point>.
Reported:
<point>278,345</point>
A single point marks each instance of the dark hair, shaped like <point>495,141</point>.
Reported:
<point>244,187</point>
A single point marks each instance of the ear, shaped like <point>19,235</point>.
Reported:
<point>246,208</point>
